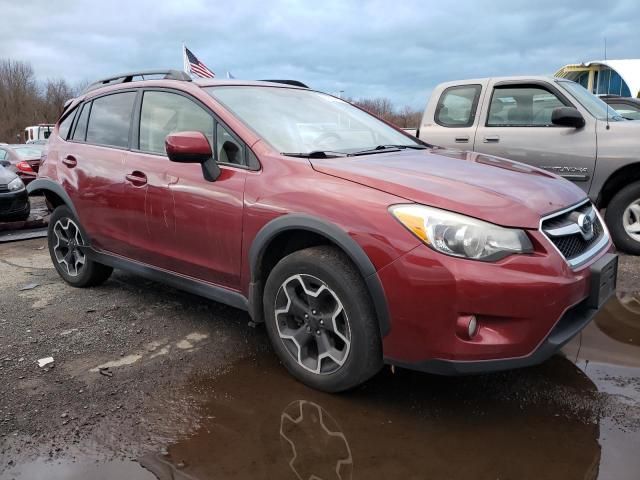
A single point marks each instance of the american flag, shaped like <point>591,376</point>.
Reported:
<point>195,66</point>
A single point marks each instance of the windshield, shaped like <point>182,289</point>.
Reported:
<point>305,121</point>
<point>593,104</point>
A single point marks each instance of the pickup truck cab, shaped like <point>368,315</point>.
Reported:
<point>553,124</point>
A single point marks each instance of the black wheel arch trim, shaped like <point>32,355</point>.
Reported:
<point>45,184</point>
<point>332,233</point>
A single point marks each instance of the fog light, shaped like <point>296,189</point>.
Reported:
<point>473,326</point>
<point>467,327</point>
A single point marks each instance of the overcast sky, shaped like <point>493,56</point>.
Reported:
<point>392,48</point>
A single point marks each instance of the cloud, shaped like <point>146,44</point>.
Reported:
<point>399,50</point>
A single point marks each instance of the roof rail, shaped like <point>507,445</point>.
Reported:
<point>129,77</point>
<point>295,83</point>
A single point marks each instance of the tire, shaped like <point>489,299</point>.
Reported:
<point>347,337</point>
<point>624,208</point>
<point>72,265</point>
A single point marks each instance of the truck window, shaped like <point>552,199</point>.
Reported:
<point>529,106</point>
<point>457,106</point>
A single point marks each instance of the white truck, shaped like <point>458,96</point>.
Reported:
<point>551,123</point>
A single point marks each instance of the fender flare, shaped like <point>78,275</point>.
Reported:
<point>45,184</point>
<point>332,233</point>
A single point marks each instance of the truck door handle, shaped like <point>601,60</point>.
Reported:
<point>70,161</point>
<point>462,139</point>
<point>491,139</point>
<point>136,178</point>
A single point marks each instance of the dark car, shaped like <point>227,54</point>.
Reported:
<point>22,159</point>
<point>627,107</point>
<point>14,201</point>
<point>355,243</point>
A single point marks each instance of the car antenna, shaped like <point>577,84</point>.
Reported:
<point>609,84</point>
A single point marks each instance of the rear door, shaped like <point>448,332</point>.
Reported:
<point>517,125</point>
<point>92,169</point>
<point>452,119</point>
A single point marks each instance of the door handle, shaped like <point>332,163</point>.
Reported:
<point>136,178</point>
<point>70,161</point>
<point>491,139</point>
<point>462,139</point>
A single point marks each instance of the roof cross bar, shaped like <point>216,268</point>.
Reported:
<point>129,77</point>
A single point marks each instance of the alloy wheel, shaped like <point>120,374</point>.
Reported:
<point>631,220</point>
<point>312,324</point>
<point>67,250</point>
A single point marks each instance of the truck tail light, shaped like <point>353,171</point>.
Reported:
<point>24,167</point>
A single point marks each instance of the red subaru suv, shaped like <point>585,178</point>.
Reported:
<point>356,244</point>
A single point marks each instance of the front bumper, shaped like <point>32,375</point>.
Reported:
<point>527,306</point>
<point>13,204</point>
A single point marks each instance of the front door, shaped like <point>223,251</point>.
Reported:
<point>518,127</point>
<point>193,227</point>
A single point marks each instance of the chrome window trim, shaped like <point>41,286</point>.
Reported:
<point>581,259</point>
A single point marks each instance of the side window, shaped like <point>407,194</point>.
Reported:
<point>3,154</point>
<point>457,106</point>
<point>228,150</point>
<point>110,119</point>
<point>80,132</point>
<point>164,113</point>
<point>65,125</point>
<point>522,107</point>
<point>627,111</point>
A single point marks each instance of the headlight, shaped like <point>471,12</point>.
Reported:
<point>459,235</point>
<point>15,185</point>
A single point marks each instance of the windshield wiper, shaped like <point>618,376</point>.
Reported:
<point>387,148</point>
<point>316,154</point>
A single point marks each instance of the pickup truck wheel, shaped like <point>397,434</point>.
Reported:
<point>623,219</point>
<point>66,249</point>
<point>321,321</point>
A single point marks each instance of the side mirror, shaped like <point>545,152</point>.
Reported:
<point>567,117</point>
<point>192,147</point>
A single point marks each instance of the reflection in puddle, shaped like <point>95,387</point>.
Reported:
<point>262,424</point>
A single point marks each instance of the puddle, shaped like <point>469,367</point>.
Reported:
<point>574,417</point>
<point>81,470</point>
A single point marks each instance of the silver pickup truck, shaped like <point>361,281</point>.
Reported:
<point>550,123</point>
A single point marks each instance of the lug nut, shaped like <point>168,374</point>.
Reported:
<point>321,322</point>
<point>306,315</point>
<point>313,312</point>
<point>317,332</point>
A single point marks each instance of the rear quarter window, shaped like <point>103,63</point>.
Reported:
<point>457,106</point>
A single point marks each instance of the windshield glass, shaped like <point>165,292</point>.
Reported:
<point>593,104</point>
<point>29,152</point>
<point>304,121</point>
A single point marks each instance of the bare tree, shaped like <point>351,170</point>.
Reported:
<point>405,117</point>
<point>23,102</point>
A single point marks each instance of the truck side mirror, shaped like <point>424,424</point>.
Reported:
<point>567,117</point>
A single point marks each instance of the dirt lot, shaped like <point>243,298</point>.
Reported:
<point>149,382</point>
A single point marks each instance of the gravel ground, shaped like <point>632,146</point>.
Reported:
<point>150,337</point>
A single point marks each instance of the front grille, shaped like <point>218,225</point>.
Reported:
<point>565,231</point>
<point>4,187</point>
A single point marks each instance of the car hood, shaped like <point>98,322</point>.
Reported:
<point>6,175</point>
<point>493,189</point>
